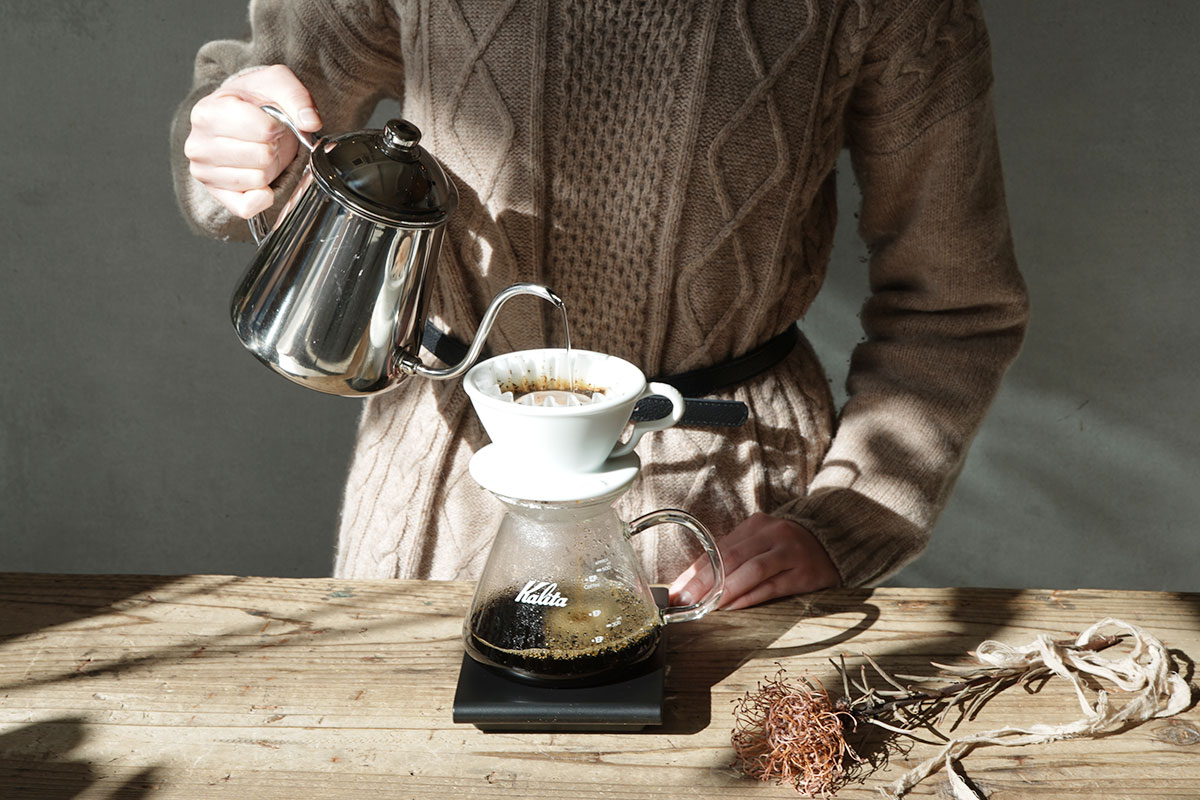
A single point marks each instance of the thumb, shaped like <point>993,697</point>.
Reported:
<point>278,86</point>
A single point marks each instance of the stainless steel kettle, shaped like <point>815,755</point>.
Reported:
<point>335,297</point>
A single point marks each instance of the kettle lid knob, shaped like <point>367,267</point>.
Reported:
<point>399,138</point>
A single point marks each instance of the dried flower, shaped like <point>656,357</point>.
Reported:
<point>791,732</point>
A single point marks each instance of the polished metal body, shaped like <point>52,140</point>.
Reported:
<point>336,296</point>
<point>331,297</point>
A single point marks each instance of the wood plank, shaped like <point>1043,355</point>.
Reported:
<point>217,687</point>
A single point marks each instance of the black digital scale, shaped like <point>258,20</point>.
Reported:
<point>493,701</point>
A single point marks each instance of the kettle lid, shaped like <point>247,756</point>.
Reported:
<point>386,175</point>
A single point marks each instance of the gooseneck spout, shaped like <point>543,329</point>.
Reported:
<point>411,365</point>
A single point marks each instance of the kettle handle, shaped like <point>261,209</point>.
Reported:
<point>259,228</point>
<point>696,527</point>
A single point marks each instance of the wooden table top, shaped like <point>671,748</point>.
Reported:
<point>204,687</point>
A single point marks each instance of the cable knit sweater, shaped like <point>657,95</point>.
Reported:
<point>667,167</point>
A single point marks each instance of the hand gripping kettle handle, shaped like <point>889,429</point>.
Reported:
<point>259,228</point>
<point>713,596</point>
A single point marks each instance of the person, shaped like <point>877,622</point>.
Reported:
<point>668,168</point>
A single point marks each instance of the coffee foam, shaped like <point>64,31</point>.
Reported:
<point>542,388</point>
<point>520,373</point>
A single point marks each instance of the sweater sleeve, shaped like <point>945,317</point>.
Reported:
<point>948,308</point>
<point>345,52</point>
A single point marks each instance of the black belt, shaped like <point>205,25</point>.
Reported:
<point>692,384</point>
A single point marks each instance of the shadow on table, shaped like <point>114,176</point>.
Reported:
<point>906,635</point>
<point>702,654</point>
<point>36,764</point>
<point>1183,662</point>
<point>33,605</point>
<point>30,602</point>
<point>1186,662</point>
<point>33,602</point>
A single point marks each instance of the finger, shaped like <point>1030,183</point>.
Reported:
<point>230,178</point>
<point>742,543</point>
<point>692,584</point>
<point>233,115</point>
<point>748,539</point>
<point>229,152</point>
<point>752,543</point>
<point>278,86</point>
<point>259,162</point>
<point>755,571</point>
<point>780,585</point>
<point>684,578</point>
<point>243,204</point>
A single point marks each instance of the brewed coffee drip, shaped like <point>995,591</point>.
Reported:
<point>562,308</point>
<point>550,392</point>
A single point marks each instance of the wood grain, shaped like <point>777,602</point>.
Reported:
<point>204,687</point>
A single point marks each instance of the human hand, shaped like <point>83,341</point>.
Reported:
<point>235,149</point>
<point>765,557</point>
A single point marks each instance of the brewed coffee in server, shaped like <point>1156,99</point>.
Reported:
<point>552,632</point>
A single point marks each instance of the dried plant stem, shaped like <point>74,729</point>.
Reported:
<point>980,687</point>
<point>1145,672</point>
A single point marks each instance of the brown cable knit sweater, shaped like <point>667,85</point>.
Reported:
<point>667,166</point>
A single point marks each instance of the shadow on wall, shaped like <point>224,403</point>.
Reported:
<point>1083,474</point>
<point>1074,497</point>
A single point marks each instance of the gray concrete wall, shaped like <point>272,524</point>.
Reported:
<point>137,436</point>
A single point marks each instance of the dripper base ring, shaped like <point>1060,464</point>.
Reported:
<point>492,470</point>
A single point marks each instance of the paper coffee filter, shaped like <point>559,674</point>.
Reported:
<point>532,370</point>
